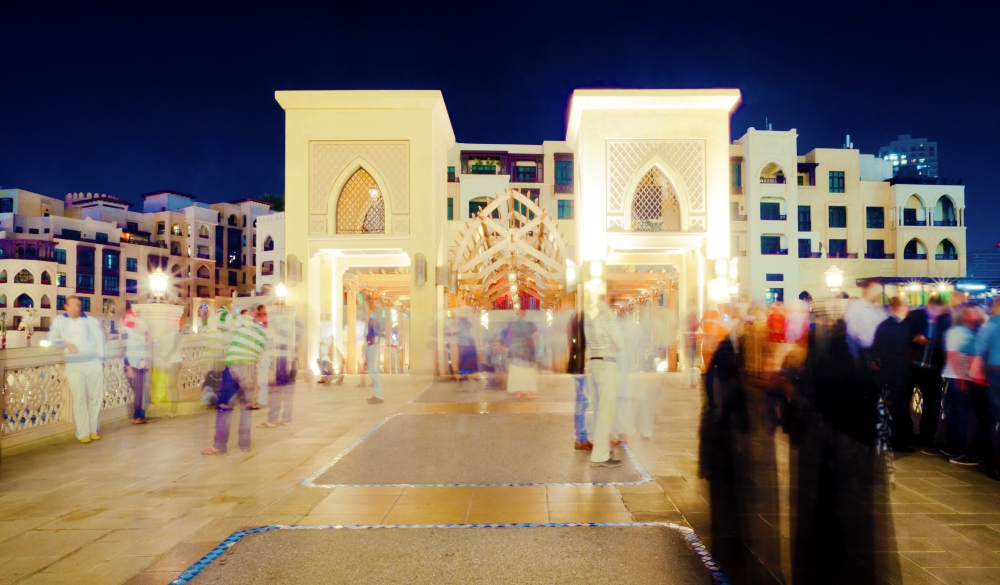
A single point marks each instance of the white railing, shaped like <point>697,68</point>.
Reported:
<point>36,402</point>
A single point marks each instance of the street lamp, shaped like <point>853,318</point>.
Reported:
<point>158,284</point>
<point>834,279</point>
<point>281,291</point>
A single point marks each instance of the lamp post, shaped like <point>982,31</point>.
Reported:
<point>281,291</point>
<point>158,284</point>
<point>834,279</point>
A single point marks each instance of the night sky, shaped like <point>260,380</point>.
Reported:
<point>136,97</point>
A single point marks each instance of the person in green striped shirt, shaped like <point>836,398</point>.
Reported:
<point>242,357</point>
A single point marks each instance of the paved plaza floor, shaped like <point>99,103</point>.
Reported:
<point>142,505</point>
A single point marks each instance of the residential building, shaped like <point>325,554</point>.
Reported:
<point>911,157</point>
<point>270,251</point>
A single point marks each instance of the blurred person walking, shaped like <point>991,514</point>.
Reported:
<point>862,318</point>
<point>522,377</point>
<point>892,356</point>
<point>285,331</point>
<point>264,367</point>
<point>138,359</point>
<point>691,345</point>
<point>242,358</point>
<point>987,373</point>
<point>927,330</point>
<point>960,350</point>
<point>373,340</point>
<point>577,367</point>
<point>604,346</point>
<point>85,349</point>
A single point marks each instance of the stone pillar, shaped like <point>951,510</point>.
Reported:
<point>350,343</point>
<point>672,307</point>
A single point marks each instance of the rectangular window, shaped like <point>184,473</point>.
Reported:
<point>876,249</point>
<point>564,172</point>
<point>875,217</point>
<point>85,282</point>
<point>233,278</point>
<point>451,174</point>
<point>770,245</point>
<point>85,257</point>
<point>131,286</point>
<point>805,248</point>
<point>6,205</point>
<point>805,218</point>
<point>216,276</point>
<point>771,211</point>
<point>131,226</point>
<point>109,284</point>
<point>565,209</point>
<point>836,181</point>
<point>60,302</point>
<point>60,279</point>
<point>451,206</point>
<point>734,210</point>
<point>101,237</point>
<point>773,277</point>
<point>85,304</point>
<point>32,230</point>
<point>525,174</point>
<point>132,264</point>
<point>736,170</point>
<point>60,256</point>
<point>161,228</point>
<point>18,229</point>
<point>802,181</point>
<point>838,216</point>
<point>774,295</point>
<point>70,234</point>
<point>111,261</point>
<point>838,249</point>
<point>910,217</point>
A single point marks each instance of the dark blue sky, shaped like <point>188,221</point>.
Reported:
<point>134,97</point>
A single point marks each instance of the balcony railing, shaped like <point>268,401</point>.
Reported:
<point>909,256</point>
<point>204,256</point>
<point>809,255</point>
<point>737,218</point>
<point>882,256</point>
<point>845,255</point>
<point>772,180</point>
<point>946,223</point>
<point>776,252</point>
<point>946,256</point>
<point>913,222</point>
<point>774,217</point>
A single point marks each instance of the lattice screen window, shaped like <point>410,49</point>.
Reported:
<point>655,206</point>
<point>360,208</point>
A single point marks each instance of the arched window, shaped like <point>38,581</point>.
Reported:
<point>24,302</point>
<point>175,271</point>
<point>3,276</point>
<point>944,212</point>
<point>232,219</point>
<point>175,249</point>
<point>46,303</point>
<point>268,244</point>
<point>805,296</point>
<point>46,279</point>
<point>772,173</point>
<point>24,277</point>
<point>914,212</point>
<point>204,232</point>
<point>176,230</point>
<point>915,250</point>
<point>946,251</point>
<point>3,301</point>
<point>655,206</point>
<point>360,207</point>
<point>203,272</point>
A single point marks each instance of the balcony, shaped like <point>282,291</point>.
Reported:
<point>204,256</point>
<point>946,223</point>
<point>880,256</point>
<point>772,180</point>
<point>775,252</point>
<point>908,221</point>
<point>908,256</point>
<point>774,217</point>
<point>845,255</point>
<point>945,256</point>
<point>562,188</point>
<point>810,255</point>
<point>737,218</point>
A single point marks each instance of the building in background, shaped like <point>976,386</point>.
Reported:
<point>986,266</point>
<point>270,252</point>
<point>911,157</point>
<point>97,247</point>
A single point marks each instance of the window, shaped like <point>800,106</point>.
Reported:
<point>770,211</point>
<point>132,264</point>
<point>838,249</point>
<point>774,295</point>
<point>216,276</point>
<point>131,226</point>
<point>734,210</point>
<point>565,209</point>
<point>85,257</point>
<point>109,284</point>
<point>18,229</point>
<point>176,230</point>
<point>60,279</point>
<point>244,222</point>
<point>451,174</point>
<point>60,256</point>
<point>85,282</point>
<point>232,278</point>
<point>771,245</point>
<point>838,216</point>
<point>876,249</point>
<point>101,237</point>
<point>131,286</point>
<point>836,181</point>
<point>805,248</point>
<point>60,302</point>
<point>70,234</point>
<point>32,230</point>
<point>161,228</point>
<point>189,230</point>
<point>910,217</point>
<point>525,174</point>
<point>85,303</point>
<point>244,278</point>
<point>802,181</point>
<point>772,277</point>
<point>805,218</point>
<point>451,207</point>
<point>736,177</point>
<point>111,261</point>
<point>564,172</point>
<point>875,217</point>
<point>6,205</point>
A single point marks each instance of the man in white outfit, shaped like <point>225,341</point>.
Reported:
<point>83,338</point>
<point>604,347</point>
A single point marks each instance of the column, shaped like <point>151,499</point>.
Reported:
<point>350,343</point>
<point>313,309</point>
<point>672,307</point>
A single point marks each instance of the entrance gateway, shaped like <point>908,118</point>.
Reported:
<point>374,180</point>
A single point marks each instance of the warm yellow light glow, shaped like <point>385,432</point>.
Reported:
<point>721,267</point>
<point>733,269</point>
<point>596,269</point>
<point>158,282</point>
<point>834,277</point>
<point>281,291</point>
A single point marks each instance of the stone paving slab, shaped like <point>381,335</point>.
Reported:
<point>472,449</point>
<point>472,391</point>
<point>651,554</point>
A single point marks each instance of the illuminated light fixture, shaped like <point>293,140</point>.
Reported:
<point>596,269</point>
<point>733,269</point>
<point>721,267</point>
<point>971,286</point>
<point>158,284</point>
<point>913,286</point>
<point>282,292</point>
<point>733,289</point>
<point>834,279</point>
<point>943,287</point>
<point>373,192</point>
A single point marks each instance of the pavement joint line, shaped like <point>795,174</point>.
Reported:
<point>311,480</point>
<point>697,546</point>
<point>428,387</point>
